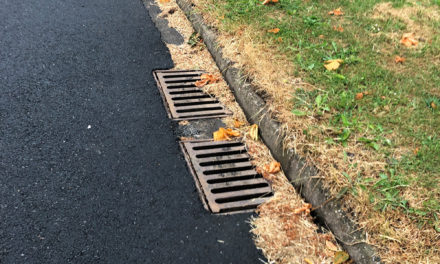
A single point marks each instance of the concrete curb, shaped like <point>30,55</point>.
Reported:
<point>299,173</point>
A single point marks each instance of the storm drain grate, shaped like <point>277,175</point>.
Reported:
<point>184,100</point>
<point>225,177</point>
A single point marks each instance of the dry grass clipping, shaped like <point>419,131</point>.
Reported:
<point>397,238</point>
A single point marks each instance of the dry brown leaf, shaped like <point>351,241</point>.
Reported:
<point>207,79</point>
<point>321,36</point>
<point>399,59</point>
<point>274,30</point>
<point>332,65</point>
<point>280,39</point>
<point>238,124</point>
<point>305,208</point>
<point>253,132</point>
<point>184,122</point>
<point>269,1</point>
<point>339,28</point>
<point>433,105</point>
<point>359,96</point>
<point>331,246</point>
<point>336,12</point>
<point>273,167</point>
<point>225,134</point>
<point>408,40</point>
<point>416,151</point>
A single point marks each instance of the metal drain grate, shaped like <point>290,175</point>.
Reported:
<point>184,100</point>
<point>225,177</point>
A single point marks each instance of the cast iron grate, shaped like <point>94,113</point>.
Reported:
<point>225,178</point>
<point>183,99</point>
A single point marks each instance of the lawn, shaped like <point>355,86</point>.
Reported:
<point>381,102</point>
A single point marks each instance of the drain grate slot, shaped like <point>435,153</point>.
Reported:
<point>183,99</point>
<point>225,177</point>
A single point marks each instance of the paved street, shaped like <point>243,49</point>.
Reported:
<point>90,168</point>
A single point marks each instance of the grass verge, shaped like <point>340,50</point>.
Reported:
<point>370,125</point>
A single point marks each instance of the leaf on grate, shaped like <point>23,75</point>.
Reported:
<point>225,134</point>
<point>253,132</point>
<point>207,79</point>
<point>340,257</point>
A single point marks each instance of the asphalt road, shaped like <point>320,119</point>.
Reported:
<point>90,169</point>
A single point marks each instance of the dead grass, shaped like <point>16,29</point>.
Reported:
<point>283,237</point>
<point>397,238</point>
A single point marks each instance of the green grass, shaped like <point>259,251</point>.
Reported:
<point>398,111</point>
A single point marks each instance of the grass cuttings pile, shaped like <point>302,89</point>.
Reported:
<point>356,85</point>
<point>284,230</point>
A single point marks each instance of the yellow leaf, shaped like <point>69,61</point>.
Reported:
<point>225,134</point>
<point>332,65</point>
<point>274,30</point>
<point>331,246</point>
<point>164,1</point>
<point>253,132</point>
<point>308,261</point>
<point>340,257</point>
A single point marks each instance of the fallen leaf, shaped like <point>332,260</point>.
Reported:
<point>336,12</point>
<point>331,246</point>
<point>321,36</point>
<point>433,105</point>
<point>207,79</point>
<point>184,122</point>
<point>416,151</point>
<point>340,257</point>
<point>274,30</point>
<point>383,97</point>
<point>269,1</point>
<point>253,132</point>
<point>225,134</point>
<point>332,65</point>
<point>273,167</point>
<point>237,123</point>
<point>359,96</point>
<point>164,1</point>
<point>408,40</point>
<point>280,39</point>
<point>308,261</point>
<point>339,28</point>
<point>399,59</point>
<point>305,208</point>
